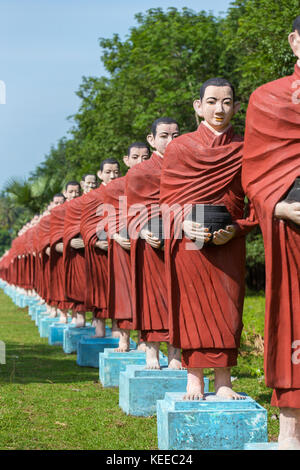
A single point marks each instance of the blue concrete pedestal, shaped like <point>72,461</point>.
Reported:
<point>43,316</point>
<point>261,446</point>
<point>140,388</point>
<point>111,363</point>
<point>210,424</point>
<point>56,332</point>
<point>89,349</point>
<point>31,309</point>
<point>40,310</point>
<point>23,301</point>
<point>73,335</point>
<point>44,326</point>
<point>19,300</point>
<point>37,311</point>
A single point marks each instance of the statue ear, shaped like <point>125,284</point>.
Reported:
<point>197,104</point>
<point>150,140</point>
<point>82,185</point>
<point>294,41</point>
<point>125,160</point>
<point>99,173</point>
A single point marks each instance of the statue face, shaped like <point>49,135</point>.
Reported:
<point>71,192</point>
<point>109,173</point>
<point>57,200</point>
<point>294,40</point>
<point>89,183</point>
<point>217,106</point>
<point>137,155</point>
<point>165,133</point>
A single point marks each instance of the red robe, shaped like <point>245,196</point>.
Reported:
<point>73,259</point>
<point>270,166</point>
<point>30,235</point>
<point>149,293</point>
<point>205,287</point>
<point>95,259</point>
<point>44,242</point>
<point>57,295</point>
<point>119,268</point>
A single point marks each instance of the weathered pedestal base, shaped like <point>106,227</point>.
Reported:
<point>73,335</point>
<point>56,332</point>
<point>261,446</point>
<point>111,363</point>
<point>210,424</point>
<point>40,310</point>
<point>140,388</point>
<point>44,325</point>
<point>89,350</point>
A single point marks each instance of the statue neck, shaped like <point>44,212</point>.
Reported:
<point>214,130</point>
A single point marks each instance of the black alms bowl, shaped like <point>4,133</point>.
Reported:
<point>212,217</point>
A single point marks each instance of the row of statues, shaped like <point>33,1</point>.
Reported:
<point>162,249</point>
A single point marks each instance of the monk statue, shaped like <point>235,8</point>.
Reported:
<point>74,260</point>
<point>202,202</point>
<point>149,292</point>
<point>96,245</point>
<point>57,272</point>
<point>271,178</point>
<point>119,266</point>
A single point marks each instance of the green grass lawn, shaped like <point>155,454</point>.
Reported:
<point>48,402</point>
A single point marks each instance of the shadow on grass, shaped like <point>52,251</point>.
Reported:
<point>39,363</point>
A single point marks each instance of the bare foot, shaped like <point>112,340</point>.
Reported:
<point>223,386</point>
<point>115,331</point>
<point>63,318</point>
<point>80,320</point>
<point>141,344</point>
<point>124,343</point>
<point>289,435</point>
<point>100,328</point>
<point>174,358</point>
<point>195,385</point>
<point>53,313</point>
<point>152,356</point>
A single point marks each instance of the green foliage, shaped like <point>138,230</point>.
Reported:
<point>5,240</point>
<point>155,72</point>
<point>256,47</point>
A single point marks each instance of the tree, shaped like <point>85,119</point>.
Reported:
<point>256,48</point>
<point>156,71</point>
<point>5,240</point>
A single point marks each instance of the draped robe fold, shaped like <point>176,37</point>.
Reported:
<point>119,267</point>
<point>95,259</point>
<point>149,293</point>
<point>57,295</point>
<point>44,242</point>
<point>271,164</point>
<point>205,286</point>
<point>73,259</point>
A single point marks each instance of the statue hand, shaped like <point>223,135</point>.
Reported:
<point>102,244</point>
<point>151,239</point>
<point>47,251</point>
<point>123,242</point>
<point>288,211</point>
<point>196,231</point>
<point>224,236</point>
<point>59,247</point>
<point>77,243</point>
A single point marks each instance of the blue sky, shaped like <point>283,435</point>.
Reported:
<point>46,46</point>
